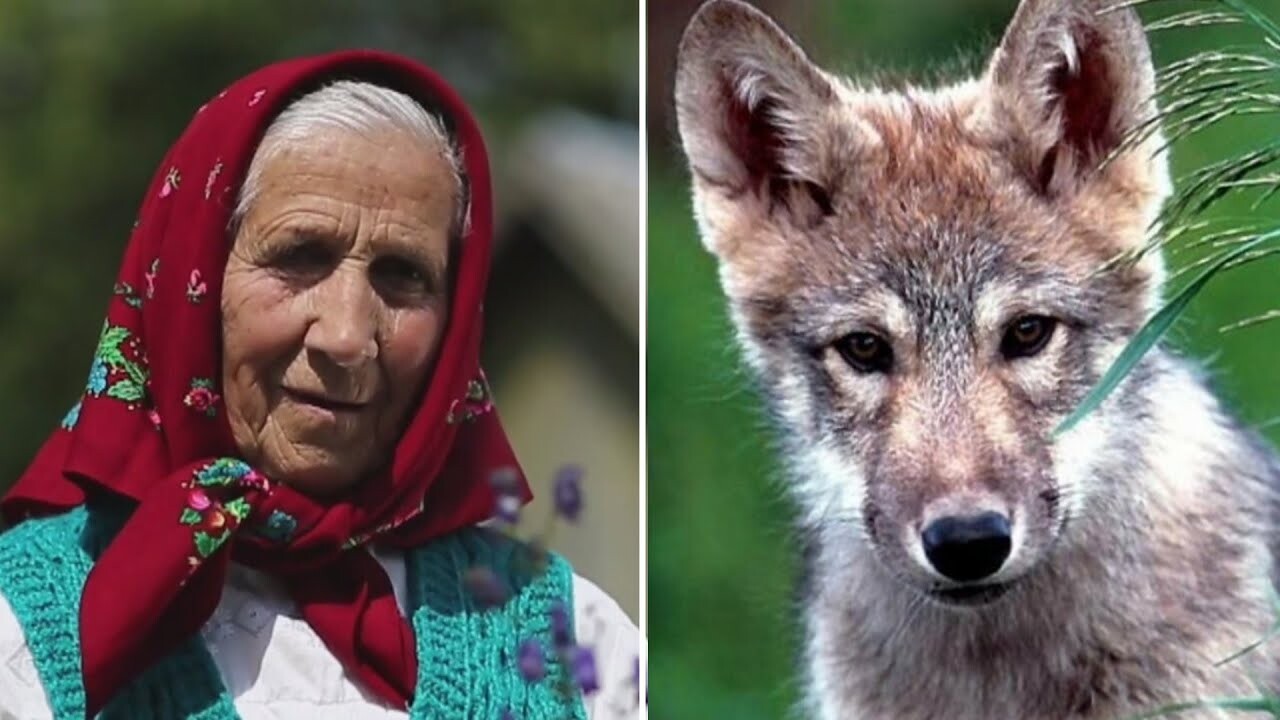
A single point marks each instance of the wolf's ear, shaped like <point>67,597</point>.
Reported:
<point>750,108</point>
<point>1074,78</point>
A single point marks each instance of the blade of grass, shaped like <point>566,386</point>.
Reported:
<point>1268,26</point>
<point>1250,647</point>
<point>1193,18</point>
<point>1258,704</point>
<point>1151,332</point>
<point>1251,321</point>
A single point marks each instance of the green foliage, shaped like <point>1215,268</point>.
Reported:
<point>719,563</point>
<point>1150,334</point>
<point>1259,704</point>
<point>1197,93</point>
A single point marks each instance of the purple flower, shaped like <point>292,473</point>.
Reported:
<point>635,681</point>
<point>568,492</point>
<point>530,659</point>
<point>485,587</point>
<point>560,627</point>
<point>506,508</point>
<point>507,715</point>
<point>505,480</point>
<point>506,487</point>
<point>582,666</point>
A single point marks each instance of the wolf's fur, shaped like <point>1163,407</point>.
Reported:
<point>934,217</point>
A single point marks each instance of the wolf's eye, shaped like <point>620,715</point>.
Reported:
<point>866,352</point>
<point>1027,336</point>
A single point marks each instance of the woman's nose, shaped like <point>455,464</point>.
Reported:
<point>345,318</point>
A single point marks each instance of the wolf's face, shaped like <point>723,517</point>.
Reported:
<point>921,279</point>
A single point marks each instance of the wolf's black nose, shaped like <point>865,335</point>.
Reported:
<point>969,548</point>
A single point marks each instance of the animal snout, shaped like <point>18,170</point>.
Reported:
<point>968,548</point>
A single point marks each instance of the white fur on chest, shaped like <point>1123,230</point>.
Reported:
<point>877,649</point>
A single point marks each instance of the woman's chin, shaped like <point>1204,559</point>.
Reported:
<point>317,464</point>
<point>319,480</point>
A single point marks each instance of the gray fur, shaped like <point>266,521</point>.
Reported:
<point>934,218</point>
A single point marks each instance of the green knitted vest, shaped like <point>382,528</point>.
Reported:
<point>466,656</point>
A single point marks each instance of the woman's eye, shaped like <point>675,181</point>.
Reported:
<point>866,352</point>
<point>305,259</point>
<point>1026,336</point>
<point>401,277</point>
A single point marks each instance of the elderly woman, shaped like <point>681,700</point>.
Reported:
<point>266,503</point>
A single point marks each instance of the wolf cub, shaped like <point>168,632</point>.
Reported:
<point>916,277</point>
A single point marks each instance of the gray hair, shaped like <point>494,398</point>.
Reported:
<point>360,107</point>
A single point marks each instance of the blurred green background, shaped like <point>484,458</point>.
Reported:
<point>722,629</point>
<point>92,94</point>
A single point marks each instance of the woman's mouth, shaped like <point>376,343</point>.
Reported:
<point>324,402</point>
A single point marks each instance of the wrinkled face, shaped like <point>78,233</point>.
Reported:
<point>917,278</point>
<point>334,303</point>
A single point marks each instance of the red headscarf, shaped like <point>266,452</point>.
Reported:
<point>151,427</point>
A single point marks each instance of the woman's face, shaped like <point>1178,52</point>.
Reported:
<point>334,303</point>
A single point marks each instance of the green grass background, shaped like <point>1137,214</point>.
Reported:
<point>722,630</point>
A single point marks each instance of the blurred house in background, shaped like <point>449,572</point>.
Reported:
<point>93,92</point>
<point>564,341</point>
